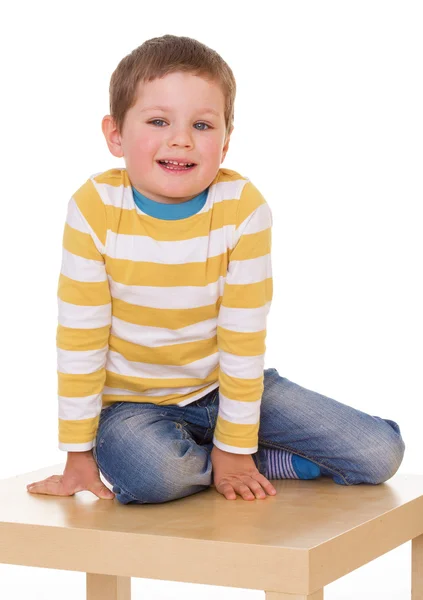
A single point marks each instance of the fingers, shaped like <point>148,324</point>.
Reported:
<point>38,487</point>
<point>101,491</point>
<point>52,486</point>
<point>226,490</point>
<point>51,478</point>
<point>268,487</point>
<point>55,486</point>
<point>248,488</point>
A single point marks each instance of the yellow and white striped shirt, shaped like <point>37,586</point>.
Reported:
<point>163,311</point>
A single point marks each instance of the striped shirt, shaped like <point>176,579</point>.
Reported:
<point>163,310</point>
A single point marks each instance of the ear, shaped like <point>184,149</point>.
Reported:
<point>112,136</point>
<point>226,146</point>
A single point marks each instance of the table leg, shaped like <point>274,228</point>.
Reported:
<point>417,568</point>
<point>279,596</point>
<point>108,587</point>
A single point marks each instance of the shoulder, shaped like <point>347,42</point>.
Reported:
<point>104,189</point>
<point>248,196</point>
<point>98,181</point>
<point>111,177</point>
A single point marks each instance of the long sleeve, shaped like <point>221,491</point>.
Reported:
<point>84,320</point>
<point>241,326</point>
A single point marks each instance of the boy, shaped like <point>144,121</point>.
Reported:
<point>164,291</point>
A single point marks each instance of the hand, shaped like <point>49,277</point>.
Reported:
<point>81,473</point>
<point>238,473</point>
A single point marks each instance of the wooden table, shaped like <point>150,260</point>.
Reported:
<point>290,545</point>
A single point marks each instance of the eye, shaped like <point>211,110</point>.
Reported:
<point>161,121</point>
<point>208,126</point>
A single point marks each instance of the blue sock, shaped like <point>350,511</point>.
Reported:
<point>282,464</point>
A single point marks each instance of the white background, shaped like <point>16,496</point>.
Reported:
<point>328,126</point>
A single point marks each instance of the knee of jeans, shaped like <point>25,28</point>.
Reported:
<point>169,480</point>
<point>384,461</point>
<point>160,491</point>
<point>146,488</point>
<point>179,480</point>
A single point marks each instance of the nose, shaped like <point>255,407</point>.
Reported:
<point>180,137</point>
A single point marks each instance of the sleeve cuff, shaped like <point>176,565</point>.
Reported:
<point>234,449</point>
<point>77,447</point>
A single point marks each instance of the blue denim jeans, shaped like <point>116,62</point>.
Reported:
<point>156,453</point>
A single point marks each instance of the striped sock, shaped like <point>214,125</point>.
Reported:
<point>285,465</point>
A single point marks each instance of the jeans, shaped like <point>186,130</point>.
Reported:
<point>156,453</point>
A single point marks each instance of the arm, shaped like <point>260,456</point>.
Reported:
<point>84,320</point>
<point>241,326</point>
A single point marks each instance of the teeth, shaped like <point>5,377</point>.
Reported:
<point>173,162</point>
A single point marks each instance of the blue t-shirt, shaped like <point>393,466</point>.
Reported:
<point>170,212</point>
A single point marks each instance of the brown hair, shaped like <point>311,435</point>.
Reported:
<point>160,56</point>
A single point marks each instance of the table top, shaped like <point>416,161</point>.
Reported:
<point>311,530</point>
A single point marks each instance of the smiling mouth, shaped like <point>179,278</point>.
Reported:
<point>176,168</point>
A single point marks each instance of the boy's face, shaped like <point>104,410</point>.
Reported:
<point>185,131</point>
